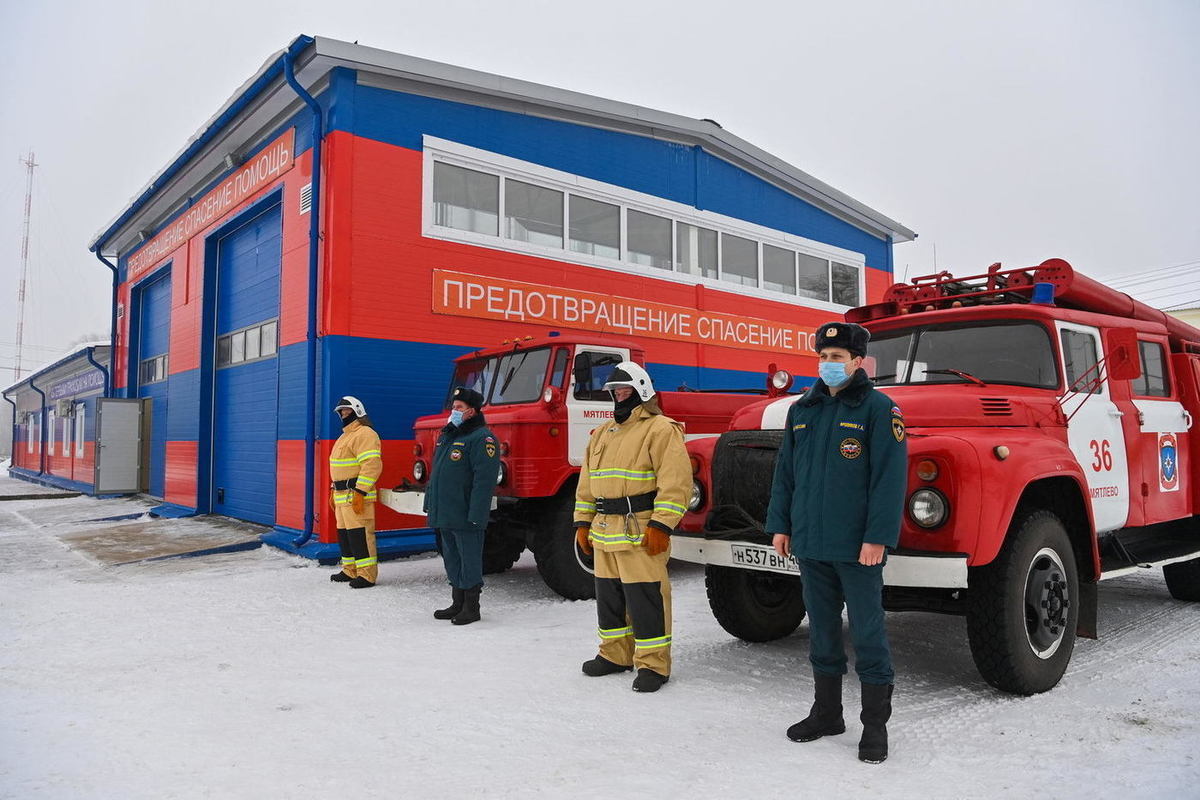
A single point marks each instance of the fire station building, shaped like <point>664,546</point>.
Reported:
<point>452,209</point>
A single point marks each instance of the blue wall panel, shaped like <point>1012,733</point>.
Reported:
<point>185,394</point>
<point>672,171</point>
<point>245,428</point>
<point>153,339</point>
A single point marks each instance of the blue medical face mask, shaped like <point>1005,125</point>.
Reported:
<point>833,373</point>
<point>455,418</point>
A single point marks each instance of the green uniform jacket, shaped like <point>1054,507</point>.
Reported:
<point>462,480</point>
<point>841,473</point>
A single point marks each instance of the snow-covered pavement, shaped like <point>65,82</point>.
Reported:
<point>251,675</point>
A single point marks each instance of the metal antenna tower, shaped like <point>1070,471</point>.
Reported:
<point>29,163</point>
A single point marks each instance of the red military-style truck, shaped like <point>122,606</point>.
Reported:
<point>544,397</point>
<point>1051,446</point>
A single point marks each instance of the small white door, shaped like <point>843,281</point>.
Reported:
<point>118,445</point>
<point>588,405</point>
<point>1094,430</point>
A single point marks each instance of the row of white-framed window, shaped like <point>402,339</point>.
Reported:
<point>72,431</point>
<point>477,202</point>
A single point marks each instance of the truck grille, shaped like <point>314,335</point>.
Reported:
<point>743,465</point>
<point>996,406</point>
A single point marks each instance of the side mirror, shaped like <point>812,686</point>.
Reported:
<point>1123,357</point>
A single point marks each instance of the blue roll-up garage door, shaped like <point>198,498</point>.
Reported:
<point>246,399</point>
<point>153,341</point>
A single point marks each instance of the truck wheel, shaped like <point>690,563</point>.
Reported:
<point>1022,608</point>
<point>500,550</point>
<point>554,550</point>
<point>1183,579</point>
<point>754,606</point>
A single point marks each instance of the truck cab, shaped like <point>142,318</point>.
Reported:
<point>542,399</point>
<point>1050,446</point>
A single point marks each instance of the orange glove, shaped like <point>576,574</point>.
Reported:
<point>655,540</point>
<point>581,539</point>
<point>356,501</point>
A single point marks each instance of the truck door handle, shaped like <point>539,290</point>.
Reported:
<point>1187,417</point>
<point>1115,413</point>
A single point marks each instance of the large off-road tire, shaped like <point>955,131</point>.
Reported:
<point>754,606</point>
<point>500,550</point>
<point>1183,579</point>
<point>1022,608</point>
<point>554,550</point>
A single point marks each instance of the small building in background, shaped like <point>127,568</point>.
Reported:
<point>54,419</point>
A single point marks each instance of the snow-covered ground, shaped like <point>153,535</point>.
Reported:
<point>251,675</point>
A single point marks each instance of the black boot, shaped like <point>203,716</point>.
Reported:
<point>340,577</point>
<point>450,611</point>
<point>600,665</point>
<point>360,583</point>
<point>825,717</point>
<point>470,607</point>
<point>648,680</point>
<point>876,711</point>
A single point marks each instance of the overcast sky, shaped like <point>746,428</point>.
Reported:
<point>998,131</point>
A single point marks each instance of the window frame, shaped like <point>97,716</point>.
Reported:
<point>438,150</point>
<point>259,329</point>
<point>1168,389</point>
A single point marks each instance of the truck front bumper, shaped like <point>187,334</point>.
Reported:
<point>411,502</point>
<point>912,568</point>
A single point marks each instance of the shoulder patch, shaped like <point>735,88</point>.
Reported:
<point>896,411</point>
<point>898,429</point>
<point>490,447</point>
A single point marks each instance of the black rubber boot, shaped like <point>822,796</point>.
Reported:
<point>456,604</point>
<point>361,583</point>
<point>470,608</point>
<point>600,665</point>
<point>340,577</point>
<point>648,680</point>
<point>876,711</point>
<point>825,717</point>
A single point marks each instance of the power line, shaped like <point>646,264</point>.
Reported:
<point>1142,276</point>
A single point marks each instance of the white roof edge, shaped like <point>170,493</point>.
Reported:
<point>74,351</point>
<point>434,72</point>
<point>463,77</point>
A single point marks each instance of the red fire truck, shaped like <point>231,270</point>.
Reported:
<point>544,397</point>
<point>1050,447</point>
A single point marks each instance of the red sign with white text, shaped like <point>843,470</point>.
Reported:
<point>264,167</point>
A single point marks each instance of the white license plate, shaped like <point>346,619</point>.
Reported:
<point>755,556</point>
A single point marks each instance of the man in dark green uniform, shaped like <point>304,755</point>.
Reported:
<point>836,501</point>
<point>466,463</point>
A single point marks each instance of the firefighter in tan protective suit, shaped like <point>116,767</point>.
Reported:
<point>633,490</point>
<point>354,466</point>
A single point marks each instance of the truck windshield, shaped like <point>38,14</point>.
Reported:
<point>1015,353</point>
<point>511,378</point>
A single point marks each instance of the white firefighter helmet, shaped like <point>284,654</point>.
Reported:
<point>630,374</point>
<point>352,403</point>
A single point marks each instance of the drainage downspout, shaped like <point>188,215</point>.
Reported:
<point>41,430</point>
<point>13,455</point>
<point>91,352</point>
<point>314,240</point>
<point>112,325</point>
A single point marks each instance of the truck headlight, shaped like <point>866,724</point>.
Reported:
<point>697,498</point>
<point>928,508</point>
<point>501,474</point>
<point>419,470</point>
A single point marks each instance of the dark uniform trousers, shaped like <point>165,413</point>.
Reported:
<point>462,554</point>
<point>828,585</point>
<point>633,606</point>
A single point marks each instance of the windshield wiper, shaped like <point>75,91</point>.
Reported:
<point>512,372</point>
<point>966,376</point>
